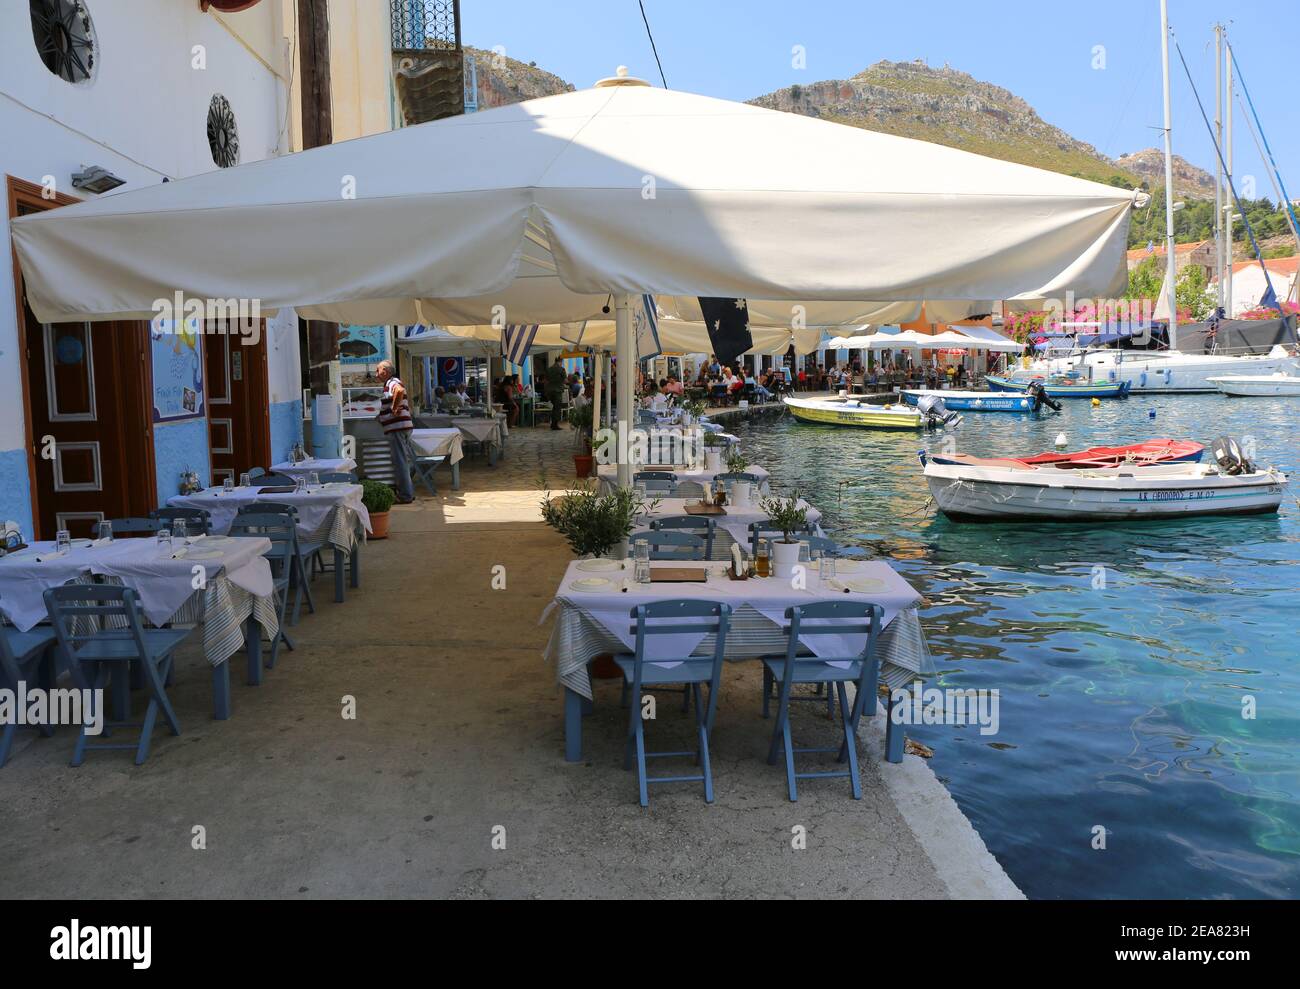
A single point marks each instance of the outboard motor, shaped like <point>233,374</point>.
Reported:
<point>1040,397</point>
<point>935,411</point>
<point>1232,461</point>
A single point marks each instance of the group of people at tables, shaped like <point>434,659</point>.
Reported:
<point>726,387</point>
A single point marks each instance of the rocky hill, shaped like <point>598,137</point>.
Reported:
<point>945,106</point>
<point>1189,181</point>
<point>503,80</point>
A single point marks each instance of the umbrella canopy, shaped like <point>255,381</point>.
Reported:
<point>543,209</point>
<point>674,335</point>
<point>434,341</point>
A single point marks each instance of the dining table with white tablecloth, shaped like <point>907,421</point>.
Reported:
<point>732,526</point>
<point>333,513</point>
<point>487,431</point>
<point>222,582</point>
<point>608,474</point>
<point>594,602</point>
<point>316,465</point>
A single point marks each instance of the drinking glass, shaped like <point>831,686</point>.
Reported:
<point>300,484</point>
<point>763,561</point>
<point>228,485</point>
<point>313,480</point>
<point>62,541</point>
<point>179,530</point>
<point>105,530</point>
<point>641,558</point>
<point>640,491</point>
<point>245,481</point>
<point>828,566</point>
<point>165,540</point>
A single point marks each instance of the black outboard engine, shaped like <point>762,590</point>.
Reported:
<point>1232,461</point>
<point>936,412</point>
<point>1040,397</point>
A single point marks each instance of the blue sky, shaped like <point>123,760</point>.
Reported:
<point>1041,51</point>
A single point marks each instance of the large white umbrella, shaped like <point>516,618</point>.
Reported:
<point>550,210</point>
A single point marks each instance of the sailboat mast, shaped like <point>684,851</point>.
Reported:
<point>1218,166</point>
<point>1228,203</point>
<point>1170,294</point>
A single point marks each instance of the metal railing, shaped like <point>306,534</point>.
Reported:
<point>423,25</point>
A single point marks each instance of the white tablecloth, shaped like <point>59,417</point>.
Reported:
<point>475,429</point>
<point>232,586</point>
<point>439,443</point>
<point>318,508</point>
<point>590,623</point>
<point>735,523</point>
<point>608,474</point>
<point>311,465</point>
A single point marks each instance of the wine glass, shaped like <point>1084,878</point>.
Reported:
<point>165,540</point>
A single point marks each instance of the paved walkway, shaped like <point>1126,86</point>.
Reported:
<point>458,734</point>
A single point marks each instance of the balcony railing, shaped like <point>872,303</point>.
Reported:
<point>425,25</point>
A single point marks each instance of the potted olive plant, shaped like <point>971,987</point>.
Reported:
<point>594,524</point>
<point>580,418</point>
<point>378,499</point>
<point>713,447</point>
<point>736,464</point>
<point>791,517</point>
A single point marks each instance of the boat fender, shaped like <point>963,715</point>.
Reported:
<point>1151,414</point>
<point>1096,403</point>
<point>1112,375</point>
<point>921,454</point>
<point>1143,380</point>
<point>1169,376</point>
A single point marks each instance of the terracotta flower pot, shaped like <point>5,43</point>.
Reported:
<point>378,525</point>
<point>582,464</point>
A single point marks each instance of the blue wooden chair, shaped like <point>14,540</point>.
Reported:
<point>276,481</point>
<point>731,477</point>
<point>688,490</point>
<point>305,553</point>
<point>196,519</point>
<point>256,473</point>
<point>863,669</point>
<point>24,657</point>
<point>118,646</point>
<point>134,526</point>
<point>669,618</point>
<point>702,527</point>
<point>670,544</point>
<point>654,475</point>
<point>282,532</point>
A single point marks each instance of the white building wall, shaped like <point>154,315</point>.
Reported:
<point>143,116</point>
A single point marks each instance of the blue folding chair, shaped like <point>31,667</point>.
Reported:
<point>730,478</point>
<point>702,528</point>
<point>818,546</point>
<point>670,544</point>
<point>863,669</point>
<point>674,618</point>
<point>196,519</point>
<point>256,473</point>
<point>304,553</point>
<point>275,481</point>
<point>134,526</point>
<point>654,475</point>
<point>24,657</point>
<point>283,557</point>
<point>100,632</point>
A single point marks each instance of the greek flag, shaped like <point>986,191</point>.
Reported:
<point>645,324</point>
<point>516,341</point>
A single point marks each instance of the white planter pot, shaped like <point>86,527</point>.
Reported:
<point>619,551</point>
<point>741,492</point>
<point>785,557</point>
<point>713,460</point>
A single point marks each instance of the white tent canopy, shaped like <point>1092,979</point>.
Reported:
<point>548,207</point>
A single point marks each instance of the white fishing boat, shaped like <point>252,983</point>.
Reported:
<point>1006,490</point>
<point>1169,371</point>
<point>1243,385</point>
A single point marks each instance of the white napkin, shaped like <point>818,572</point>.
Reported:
<point>45,557</point>
<point>101,542</point>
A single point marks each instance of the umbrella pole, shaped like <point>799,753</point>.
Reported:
<point>596,359</point>
<point>626,354</point>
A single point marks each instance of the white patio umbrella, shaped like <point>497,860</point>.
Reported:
<point>548,211</point>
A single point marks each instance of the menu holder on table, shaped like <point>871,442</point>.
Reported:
<point>699,508</point>
<point>678,575</point>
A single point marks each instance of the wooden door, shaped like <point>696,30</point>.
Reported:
<point>239,427</point>
<point>86,390</point>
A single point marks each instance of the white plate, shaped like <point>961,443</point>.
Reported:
<point>863,585</point>
<point>592,584</point>
<point>599,566</point>
<point>849,566</point>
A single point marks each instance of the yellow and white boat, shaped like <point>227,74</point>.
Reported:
<point>853,412</point>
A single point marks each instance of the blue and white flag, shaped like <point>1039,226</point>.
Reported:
<point>1270,297</point>
<point>516,341</point>
<point>645,324</point>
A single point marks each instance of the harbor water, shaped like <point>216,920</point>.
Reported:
<point>1148,673</point>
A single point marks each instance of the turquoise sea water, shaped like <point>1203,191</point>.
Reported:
<point>1122,653</point>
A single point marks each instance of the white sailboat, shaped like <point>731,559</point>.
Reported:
<point>1172,370</point>
<point>1258,385</point>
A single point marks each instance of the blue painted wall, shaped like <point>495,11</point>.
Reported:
<point>177,447</point>
<point>16,491</point>
<point>286,428</point>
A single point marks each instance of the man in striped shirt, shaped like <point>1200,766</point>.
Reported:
<point>395,417</point>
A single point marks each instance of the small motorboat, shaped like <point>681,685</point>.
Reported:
<point>1244,385</point>
<point>1162,451</point>
<point>985,401</point>
<point>1063,386</point>
<point>847,411</point>
<point>1007,490</point>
